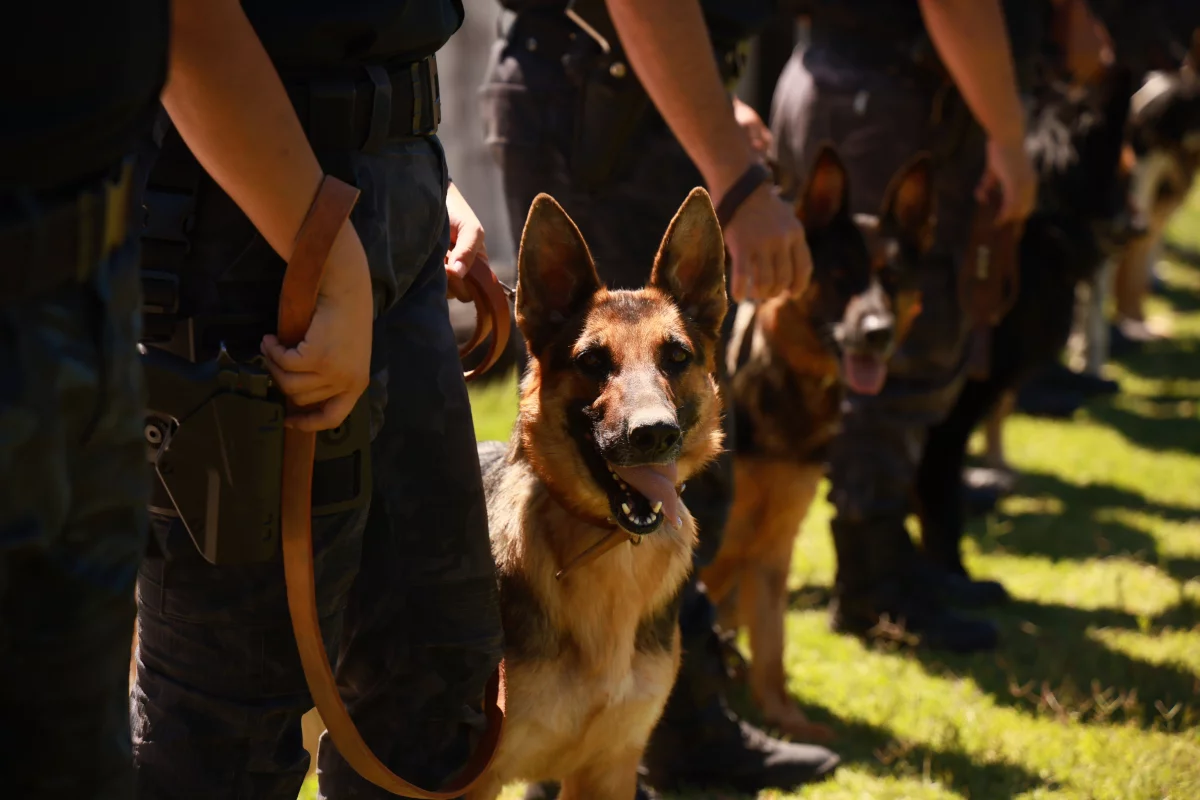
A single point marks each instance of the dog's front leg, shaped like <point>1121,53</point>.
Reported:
<point>488,788</point>
<point>607,777</point>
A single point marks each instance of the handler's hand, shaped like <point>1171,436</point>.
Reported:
<point>767,245</point>
<point>327,372</point>
<point>1009,168</point>
<point>466,233</point>
<point>752,125</point>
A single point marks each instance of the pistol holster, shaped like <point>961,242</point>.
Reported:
<point>214,433</point>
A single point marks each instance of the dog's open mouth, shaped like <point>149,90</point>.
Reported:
<point>642,497</point>
<point>864,372</point>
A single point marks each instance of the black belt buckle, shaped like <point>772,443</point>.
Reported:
<point>381,110</point>
<point>425,89</point>
<point>168,216</point>
<point>331,115</point>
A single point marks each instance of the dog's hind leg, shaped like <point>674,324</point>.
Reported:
<point>609,777</point>
<point>763,596</point>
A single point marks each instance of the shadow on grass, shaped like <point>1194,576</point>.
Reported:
<point>877,750</point>
<point>1075,533</point>
<point>1164,426</point>
<point>1181,253</point>
<point>1048,664</point>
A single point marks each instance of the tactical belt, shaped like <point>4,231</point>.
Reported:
<point>363,114</point>
<point>338,115</point>
<point>64,243</point>
<point>297,303</point>
<point>556,37</point>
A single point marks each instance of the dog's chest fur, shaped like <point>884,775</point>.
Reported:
<point>590,659</point>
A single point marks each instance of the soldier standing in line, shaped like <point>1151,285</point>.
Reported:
<point>267,97</point>
<point>618,110</point>
<point>73,486</point>
<point>886,80</point>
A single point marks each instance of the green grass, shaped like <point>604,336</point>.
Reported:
<point>1095,691</point>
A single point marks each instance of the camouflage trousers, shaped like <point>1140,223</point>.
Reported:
<point>406,588</point>
<point>73,492</point>
<point>879,121</point>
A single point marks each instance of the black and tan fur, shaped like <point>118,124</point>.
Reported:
<point>785,361</point>
<point>591,658</point>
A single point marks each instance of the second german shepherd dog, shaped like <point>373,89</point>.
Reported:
<point>789,360</point>
<point>619,407</point>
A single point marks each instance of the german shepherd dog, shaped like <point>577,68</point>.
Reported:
<point>1082,220</point>
<point>788,362</point>
<point>619,406</point>
<point>1164,140</point>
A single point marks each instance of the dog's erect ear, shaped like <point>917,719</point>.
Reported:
<point>555,274</point>
<point>908,204</point>
<point>826,194</point>
<point>690,265</point>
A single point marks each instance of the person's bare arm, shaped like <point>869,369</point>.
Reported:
<point>972,39</point>
<point>1087,47</point>
<point>229,105</point>
<point>669,48</point>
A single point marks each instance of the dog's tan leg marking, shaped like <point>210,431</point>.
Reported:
<point>612,778</point>
<point>745,516</point>
<point>763,596</point>
<point>488,788</point>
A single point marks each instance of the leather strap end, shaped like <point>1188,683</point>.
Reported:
<point>298,299</point>
<point>754,176</point>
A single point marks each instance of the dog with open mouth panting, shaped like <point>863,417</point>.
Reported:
<point>592,541</point>
<point>791,360</point>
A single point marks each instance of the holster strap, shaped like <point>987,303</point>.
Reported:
<point>989,280</point>
<point>297,304</point>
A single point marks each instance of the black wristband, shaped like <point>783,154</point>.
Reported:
<point>754,176</point>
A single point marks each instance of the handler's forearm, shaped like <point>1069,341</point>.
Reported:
<point>230,107</point>
<point>669,49</point>
<point>972,39</point>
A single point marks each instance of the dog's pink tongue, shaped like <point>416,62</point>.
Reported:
<point>865,374</point>
<point>656,482</point>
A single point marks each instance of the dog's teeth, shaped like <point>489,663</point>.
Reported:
<point>624,487</point>
<point>682,487</point>
<point>657,507</point>
<point>625,508</point>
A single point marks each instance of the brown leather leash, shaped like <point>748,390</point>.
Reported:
<point>988,281</point>
<point>297,304</point>
<point>481,287</point>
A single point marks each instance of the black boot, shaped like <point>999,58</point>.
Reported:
<point>882,589</point>
<point>549,791</point>
<point>701,743</point>
<point>953,586</point>
<point>940,477</point>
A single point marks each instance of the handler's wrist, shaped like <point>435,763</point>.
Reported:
<point>740,191</point>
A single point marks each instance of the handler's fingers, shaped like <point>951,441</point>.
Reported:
<point>328,416</point>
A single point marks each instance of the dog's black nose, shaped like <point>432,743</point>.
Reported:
<point>877,330</point>
<point>654,440</point>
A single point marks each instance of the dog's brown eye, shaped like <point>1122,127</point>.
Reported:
<point>676,357</point>
<point>593,363</point>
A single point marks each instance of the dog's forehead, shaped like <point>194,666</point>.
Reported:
<point>882,248</point>
<point>632,324</point>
